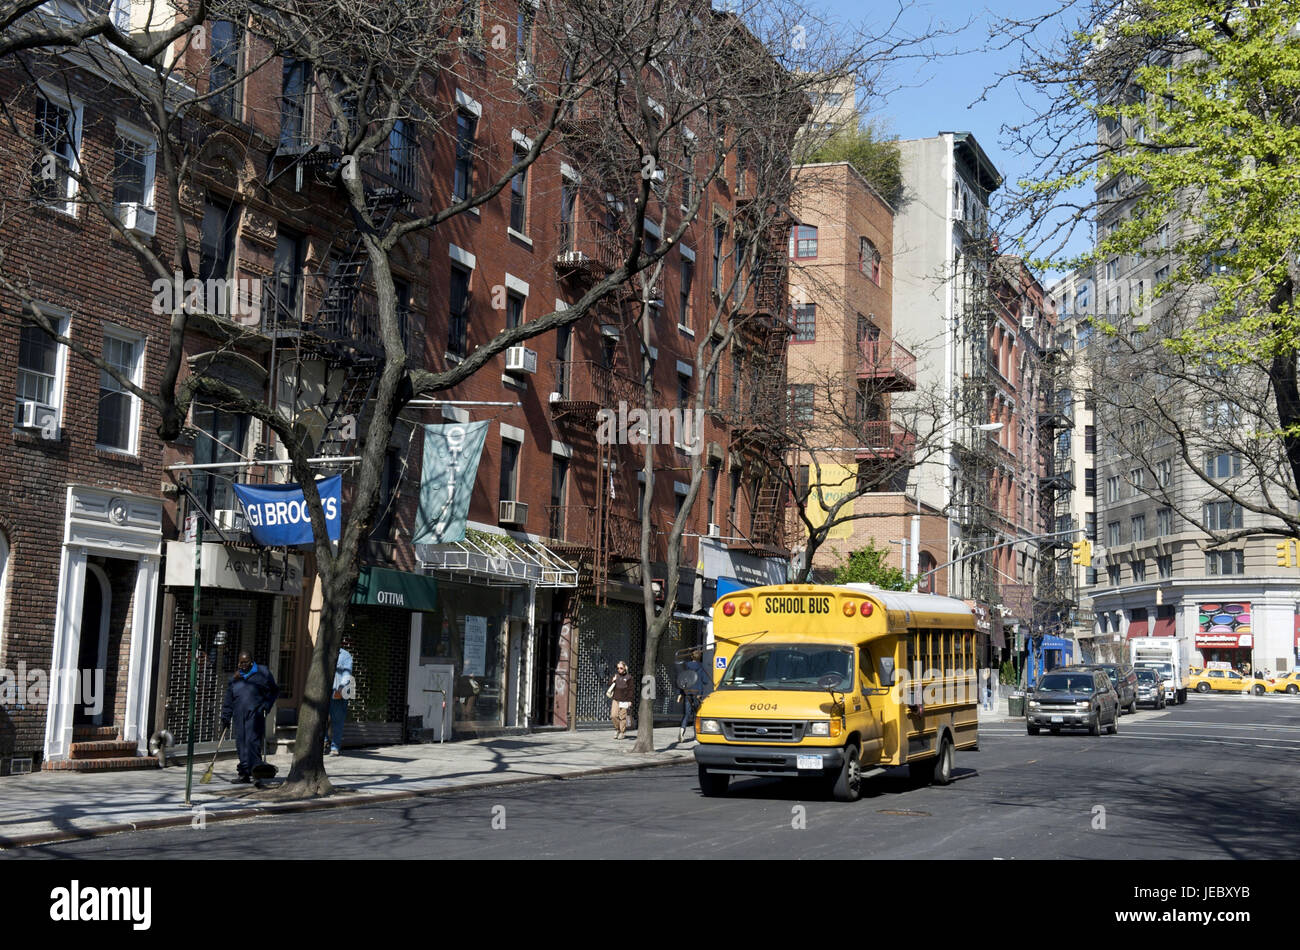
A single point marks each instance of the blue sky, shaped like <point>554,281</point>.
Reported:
<point>925,97</point>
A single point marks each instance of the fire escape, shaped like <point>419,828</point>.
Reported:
<point>1055,596</point>
<point>330,316</point>
<point>758,412</point>
<point>606,529</point>
<point>973,449</point>
<point>885,448</point>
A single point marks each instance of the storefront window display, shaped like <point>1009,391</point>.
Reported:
<point>468,631</point>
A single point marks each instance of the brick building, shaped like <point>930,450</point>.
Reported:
<point>847,368</point>
<point>512,627</point>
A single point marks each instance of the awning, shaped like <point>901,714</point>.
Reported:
<point>498,560</point>
<point>387,588</point>
<point>1137,628</point>
<point>1165,627</point>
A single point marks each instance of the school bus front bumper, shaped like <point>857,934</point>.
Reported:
<point>782,760</point>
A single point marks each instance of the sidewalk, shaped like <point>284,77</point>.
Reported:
<point>58,806</point>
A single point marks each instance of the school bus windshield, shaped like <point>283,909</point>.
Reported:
<point>792,666</point>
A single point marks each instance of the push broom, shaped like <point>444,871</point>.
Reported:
<point>207,776</point>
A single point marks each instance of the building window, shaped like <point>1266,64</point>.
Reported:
<point>223,71</point>
<point>1090,482</point>
<point>683,391</point>
<point>1165,566</point>
<point>805,323</point>
<point>468,19</point>
<point>295,83</point>
<point>1112,488</point>
<point>458,325</point>
<point>1223,465</point>
<point>687,282</point>
<point>1164,522</point>
<point>803,241</point>
<point>802,403</point>
<point>519,196</point>
<point>40,364</point>
<point>524,32</point>
<point>514,310</point>
<point>1112,533</point>
<point>1218,563</point>
<point>869,260</point>
<point>1090,525</point>
<point>1135,477</point>
<point>58,129</point>
<point>220,438</point>
<point>1090,439</point>
<point>462,177</point>
<point>133,170</point>
<point>1139,569</point>
<point>1112,574</point>
<point>719,235</point>
<point>1138,525</point>
<point>385,514</point>
<point>509,469</point>
<point>217,241</point>
<point>559,487</point>
<point>1164,472</point>
<point>117,407</point>
<point>1222,515</point>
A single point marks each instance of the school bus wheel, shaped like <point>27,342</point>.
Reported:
<point>711,784</point>
<point>942,774</point>
<point>848,784</point>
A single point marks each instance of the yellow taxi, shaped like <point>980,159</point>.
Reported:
<point>1285,683</point>
<point>1224,681</point>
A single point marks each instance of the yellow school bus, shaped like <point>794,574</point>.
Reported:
<point>833,683</point>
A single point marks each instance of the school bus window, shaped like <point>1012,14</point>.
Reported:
<point>866,669</point>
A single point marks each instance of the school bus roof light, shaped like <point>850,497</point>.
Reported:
<point>728,608</point>
<point>849,609</point>
<point>866,608</point>
<point>745,608</point>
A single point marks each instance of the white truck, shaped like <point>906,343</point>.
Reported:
<point>1169,656</point>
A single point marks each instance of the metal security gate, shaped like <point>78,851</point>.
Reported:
<point>605,636</point>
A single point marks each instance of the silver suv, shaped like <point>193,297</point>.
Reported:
<point>1073,699</point>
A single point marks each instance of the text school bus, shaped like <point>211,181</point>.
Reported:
<point>835,683</point>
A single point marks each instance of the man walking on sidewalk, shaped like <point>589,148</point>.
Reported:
<point>249,697</point>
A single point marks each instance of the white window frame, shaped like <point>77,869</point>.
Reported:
<point>62,320</point>
<point>137,340</point>
<point>150,158</point>
<point>59,98</point>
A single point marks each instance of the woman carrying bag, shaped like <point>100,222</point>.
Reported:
<point>622,693</point>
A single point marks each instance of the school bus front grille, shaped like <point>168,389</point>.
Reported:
<point>763,730</point>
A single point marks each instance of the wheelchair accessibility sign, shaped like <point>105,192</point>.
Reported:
<point>720,662</point>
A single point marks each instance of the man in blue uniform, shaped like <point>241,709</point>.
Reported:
<point>249,697</point>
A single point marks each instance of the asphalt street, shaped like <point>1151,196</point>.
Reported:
<point>1217,778</point>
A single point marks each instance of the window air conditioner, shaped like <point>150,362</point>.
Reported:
<point>230,519</point>
<point>513,512</point>
<point>36,416</point>
<point>520,359</point>
<point>137,218</point>
<point>715,530</point>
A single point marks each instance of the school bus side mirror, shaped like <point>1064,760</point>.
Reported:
<point>886,671</point>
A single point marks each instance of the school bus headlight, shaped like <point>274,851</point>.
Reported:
<point>819,728</point>
<point>709,726</point>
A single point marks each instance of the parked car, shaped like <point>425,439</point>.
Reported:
<point>1072,698</point>
<point>1285,683</point>
<point>1226,681</point>
<point>1123,678</point>
<point>1151,687</point>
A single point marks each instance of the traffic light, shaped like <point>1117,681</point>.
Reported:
<point>1082,553</point>
<point>1284,555</point>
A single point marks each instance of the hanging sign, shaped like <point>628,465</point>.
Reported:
<point>277,514</point>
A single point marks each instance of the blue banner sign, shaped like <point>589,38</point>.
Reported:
<point>277,514</point>
<point>451,455</point>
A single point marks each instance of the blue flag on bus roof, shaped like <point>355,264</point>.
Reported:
<point>277,514</point>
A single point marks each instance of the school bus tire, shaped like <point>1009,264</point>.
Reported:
<point>713,785</point>
<point>847,786</point>
<point>942,768</point>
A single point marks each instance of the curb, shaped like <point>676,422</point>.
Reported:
<point>346,800</point>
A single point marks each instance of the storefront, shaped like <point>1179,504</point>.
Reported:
<point>1225,634</point>
<point>248,601</point>
<point>489,655</point>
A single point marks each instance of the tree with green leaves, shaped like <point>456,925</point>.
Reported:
<point>868,150</point>
<point>1182,118</point>
<point>869,566</point>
